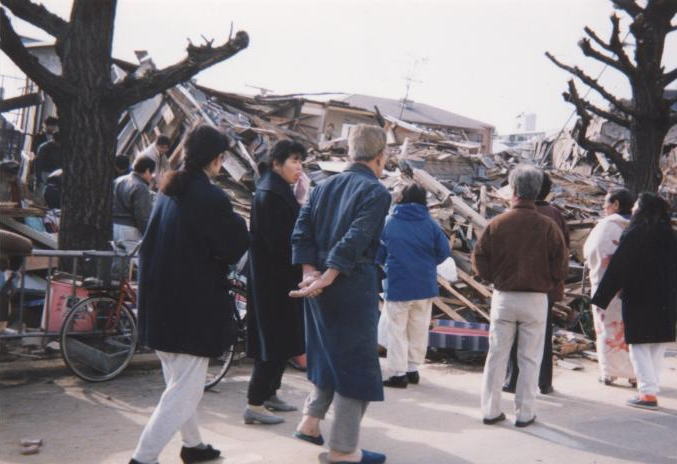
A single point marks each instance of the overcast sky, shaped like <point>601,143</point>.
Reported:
<point>483,59</point>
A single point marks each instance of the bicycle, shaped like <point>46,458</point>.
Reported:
<point>99,334</point>
<point>219,366</point>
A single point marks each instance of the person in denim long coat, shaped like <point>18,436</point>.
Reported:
<point>337,234</point>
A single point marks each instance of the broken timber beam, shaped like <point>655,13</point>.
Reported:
<point>442,193</point>
<point>478,287</point>
<point>450,288</point>
<point>448,310</point>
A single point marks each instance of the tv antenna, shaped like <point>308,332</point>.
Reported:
<point>263,91</point>
<point>409,79</point>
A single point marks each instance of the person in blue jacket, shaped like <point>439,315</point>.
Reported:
<point>412,245</point>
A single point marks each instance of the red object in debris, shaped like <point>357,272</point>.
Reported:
<point>60,302</point>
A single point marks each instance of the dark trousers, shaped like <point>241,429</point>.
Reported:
<point>265,381</point>
<point>545,375</point>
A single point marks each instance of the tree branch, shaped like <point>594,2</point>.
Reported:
<point>629,6</point>
<point>580,132</point>
<point>588,50</point>
<point>37,15</point>
<point>586,79</point>
<point>615,44</point>
<point>668,77</point>
<point>133,90</point>
<point>11,44</point>
<point>600,112</point>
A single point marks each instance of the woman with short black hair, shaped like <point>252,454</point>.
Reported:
<point>274,320</point>
<point>185,311</point>
<point>644,270</point>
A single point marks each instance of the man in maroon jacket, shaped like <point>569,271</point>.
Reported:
<point>522,252</point>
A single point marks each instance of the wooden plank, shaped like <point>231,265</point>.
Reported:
<point>460,207</point>
<point>478,287</point>
<point>448,310</point>
<point>450,288</point>
<point>22,229</point>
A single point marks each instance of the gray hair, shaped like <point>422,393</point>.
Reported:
<point>366,142</point>
<point>526,181</point>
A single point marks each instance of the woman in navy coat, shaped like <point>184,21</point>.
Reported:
<point>185,312</point>
<point>274,319</point>
<point>644,270</point>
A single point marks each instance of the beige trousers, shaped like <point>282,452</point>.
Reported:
<point>406,325</point>
<point>513,312</point>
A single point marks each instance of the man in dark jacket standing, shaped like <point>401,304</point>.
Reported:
<point>132,203</point>
<point>185,311</point>
<point>337,234</point>
<point>523,253</point>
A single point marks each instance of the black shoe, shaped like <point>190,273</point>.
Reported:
<point>546,390</point>
<point>494,420</point>
<point>396,381</point>
<point>413,377</point>
<point>134,461</point>
<point>509,388</point>
<point>190,455</point>
<point>525,423</point>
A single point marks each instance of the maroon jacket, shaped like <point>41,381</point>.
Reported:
<point>521,250</point>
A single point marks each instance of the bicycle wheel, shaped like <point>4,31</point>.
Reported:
<point>218,367</point>
<point>98,338</point>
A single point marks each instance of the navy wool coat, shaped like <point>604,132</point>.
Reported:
<point>274,320</point>
<point>184,305</point>
<point>644,270</point>
<point>339,228</point>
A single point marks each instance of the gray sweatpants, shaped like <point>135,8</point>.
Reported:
<point>348,412</point>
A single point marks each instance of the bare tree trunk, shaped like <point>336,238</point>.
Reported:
<point>89,129</point>
<point>646,142</point>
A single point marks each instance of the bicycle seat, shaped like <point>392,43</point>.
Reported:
<point>94,283</point>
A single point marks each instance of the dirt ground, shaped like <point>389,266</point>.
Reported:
<point>436,422</point>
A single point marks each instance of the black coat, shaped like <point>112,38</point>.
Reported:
<point>184,306</point>
<point>274,320</point>
<point>644,270</point>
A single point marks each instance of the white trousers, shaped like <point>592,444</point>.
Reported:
<point>407,325</point>
<point>185,377</point>
<point>647,359</point>
<point>514,312</point>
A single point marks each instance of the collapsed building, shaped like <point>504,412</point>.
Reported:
<point>452,156</point>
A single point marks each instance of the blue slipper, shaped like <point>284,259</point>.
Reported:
<point>368,457</point>
<point>318,440</point>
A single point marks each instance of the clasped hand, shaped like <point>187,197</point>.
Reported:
<point>313,282</point>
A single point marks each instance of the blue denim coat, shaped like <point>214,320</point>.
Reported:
<point>339,228</point>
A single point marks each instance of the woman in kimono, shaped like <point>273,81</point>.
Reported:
<point>644,270</point>
<point>274,319</point>
<point>612,351</point>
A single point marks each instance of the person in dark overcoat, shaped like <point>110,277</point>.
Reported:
<point>644,270</point>
<point>185,311</point>
<point>274,319</point>
<point>337,234</point>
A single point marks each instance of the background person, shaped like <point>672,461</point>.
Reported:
<point>185,311</point>
<point>556,294</point>
<point>644,270</point>
<point>612,350</point>
<point>158,151</point>
<point>523,254</point>
<point>132,203</point>
<point>337,234</point>
<point>412,245</point>
<point>274,319</point>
